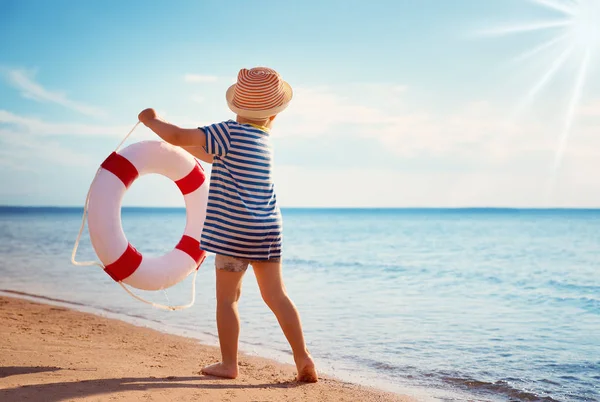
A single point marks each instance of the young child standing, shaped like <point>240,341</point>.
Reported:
<point>243,223</point>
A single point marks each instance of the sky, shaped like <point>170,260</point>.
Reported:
<point>400,103</point>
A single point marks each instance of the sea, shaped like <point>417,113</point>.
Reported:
<point>442,304</point>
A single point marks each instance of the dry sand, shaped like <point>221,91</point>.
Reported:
<point>50,353</point>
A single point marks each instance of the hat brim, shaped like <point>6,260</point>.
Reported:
<point>259,114</point>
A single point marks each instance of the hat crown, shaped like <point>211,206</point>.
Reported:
<point>259,88</point>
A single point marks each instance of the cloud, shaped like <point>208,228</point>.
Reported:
<point>32,90</point>
<point>400,88</point>
<point>479,132</point>
<point>590,109</point>
<point>20,151</point>
<point>39,127</point>
<point>14,164</point>
<point>371,187</point>
<point>26,139</point>
<point>315,111</point>
<point>504,162</point>
<point>199,78</point>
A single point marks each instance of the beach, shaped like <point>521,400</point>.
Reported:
<point>51,353</point>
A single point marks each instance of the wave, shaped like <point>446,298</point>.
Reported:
<point>301,262</point>
<point>574,287</point>
<point>498,388</point>
<point>588,304</point>
<point>513,389</point>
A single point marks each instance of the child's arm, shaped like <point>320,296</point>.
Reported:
<point>190,137</point>
<point>199,153</point>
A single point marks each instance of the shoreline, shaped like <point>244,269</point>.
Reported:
<point>326,367</point>
<point>54,353</point>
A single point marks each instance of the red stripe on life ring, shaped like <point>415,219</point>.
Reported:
<point>126,265</point>
<point>121,167</point>
<point>191,247</point>
<point>192,181</point>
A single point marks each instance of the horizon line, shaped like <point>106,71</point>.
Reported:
<point>488,208</point>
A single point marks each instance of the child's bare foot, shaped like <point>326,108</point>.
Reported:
<point>221,370</point>
<point>306,369</point>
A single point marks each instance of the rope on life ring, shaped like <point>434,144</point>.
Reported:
<point>101,265</point>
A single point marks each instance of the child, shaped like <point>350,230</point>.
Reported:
<point>243,222</point>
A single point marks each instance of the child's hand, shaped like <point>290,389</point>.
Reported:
<point>147,115</point>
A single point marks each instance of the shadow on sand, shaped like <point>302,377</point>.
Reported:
<point>8,371</point>
<point>60,391</point>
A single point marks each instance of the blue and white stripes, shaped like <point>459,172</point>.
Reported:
<point>242,218</point>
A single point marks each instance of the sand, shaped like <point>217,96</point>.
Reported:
<point>50,353</point>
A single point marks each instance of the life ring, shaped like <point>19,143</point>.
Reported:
<point>120,259</point>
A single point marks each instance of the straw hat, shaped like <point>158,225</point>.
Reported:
<point>259,93</point>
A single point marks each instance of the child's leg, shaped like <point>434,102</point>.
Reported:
<point>272,289</point>
<point>229,288</point>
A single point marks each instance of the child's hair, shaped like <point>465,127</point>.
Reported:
<point>259,122</point>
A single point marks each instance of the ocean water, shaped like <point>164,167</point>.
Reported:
<point>466,304</point>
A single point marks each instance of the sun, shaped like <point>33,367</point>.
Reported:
<point>575,39</point>
<point>585,24</point>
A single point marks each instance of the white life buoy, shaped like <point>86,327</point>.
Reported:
<point>120,259</point>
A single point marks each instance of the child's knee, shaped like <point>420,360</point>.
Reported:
<point>229,298</point>
<point>275,299</point>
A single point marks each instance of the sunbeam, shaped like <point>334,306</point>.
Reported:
<point>546,78</point>
<point>533,26</point>
<point>572,109</point>
<point>538,49</point>
<point>578,38</point>
<point>571,10</point>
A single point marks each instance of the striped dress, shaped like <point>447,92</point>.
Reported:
<point>242,218</point>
